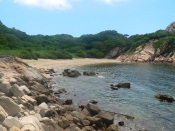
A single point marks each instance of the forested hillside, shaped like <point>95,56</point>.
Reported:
<point>63,46</point>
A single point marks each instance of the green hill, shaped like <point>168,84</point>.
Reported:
<point>64,46</point>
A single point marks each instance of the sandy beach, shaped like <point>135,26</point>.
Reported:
<point>48,63</point>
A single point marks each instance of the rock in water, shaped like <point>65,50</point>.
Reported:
<point>164,97</point>
<point>123,85</point>
<point>89,73</point>
<point>71,73</point>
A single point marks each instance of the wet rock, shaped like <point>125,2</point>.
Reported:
<point>106,117</point>
<point>93,109</point>
<point>123,85</point>
<point>3,114</point>
<point>112,128</point>
<point>10,122</point>
<point>9,106</point>
<point>114,88</point>
<point>42,98</point>
<point>121,123</point>
<point>50,113</point>
<point>71,73</point>
<point>68,102</point>
<point>162,97</point>
<point>89,73</point>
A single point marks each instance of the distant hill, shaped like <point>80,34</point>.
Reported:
<point>109,44</point>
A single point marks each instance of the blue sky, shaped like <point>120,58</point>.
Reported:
<point>78,17</point>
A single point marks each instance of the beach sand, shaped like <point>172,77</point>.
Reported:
<point>48,63</point>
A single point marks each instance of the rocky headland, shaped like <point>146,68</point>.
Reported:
<point>27,103</point>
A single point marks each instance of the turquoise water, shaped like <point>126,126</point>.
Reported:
<point>146,80</point>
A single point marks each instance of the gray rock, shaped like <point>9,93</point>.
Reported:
<point>171,27</point>
<point>10,122</point>
<point>162,97</point>
<point>93,109</point>
<point>9,106</point>
<point>78,115</point>
<point>3,114</point>
<point>106,118</point>
<point>5,88</point>
<point>68,102</point>
<point>39,88</point>
<point>16,91</point>
<point>27,101</point>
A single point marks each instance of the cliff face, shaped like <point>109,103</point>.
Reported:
<point>147,53</point>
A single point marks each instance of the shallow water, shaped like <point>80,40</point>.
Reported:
<point>146,80</point>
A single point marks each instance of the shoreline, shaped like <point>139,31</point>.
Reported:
<point>60,63</point>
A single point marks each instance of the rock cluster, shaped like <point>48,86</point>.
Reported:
<point>26,104</point>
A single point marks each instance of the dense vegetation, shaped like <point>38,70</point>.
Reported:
<point>15,42</point>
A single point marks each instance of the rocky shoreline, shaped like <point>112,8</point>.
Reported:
<point>28,104</point>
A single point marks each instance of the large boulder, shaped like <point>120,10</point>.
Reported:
<point>93,109</point>
<point>78,115</point>
<point>3,114</point>
<point>38,88</point>
<point>106,117</point>
<point>9,106</point>
<point>164,97</point>
<point>16,91</point>
<point>71,73</point>
<point>10,122</point>
<point>89,73</point>
<point>30,74</point>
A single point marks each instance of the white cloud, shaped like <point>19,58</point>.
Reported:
<point>46,4</point>
<point>112,1</point>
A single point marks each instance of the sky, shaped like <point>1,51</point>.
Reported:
<point>79,17</point>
